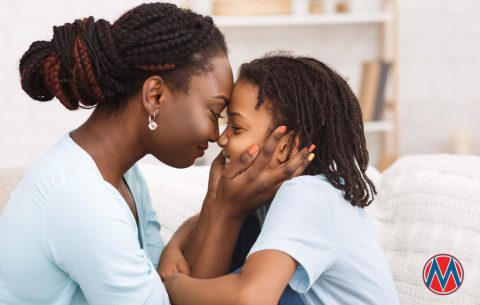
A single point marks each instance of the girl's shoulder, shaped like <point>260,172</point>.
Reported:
<point>310,184</point>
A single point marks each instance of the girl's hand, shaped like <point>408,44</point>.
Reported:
<point>248,184</point>
<point>172,261</point>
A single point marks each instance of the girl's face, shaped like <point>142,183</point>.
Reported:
<point>246,125</point>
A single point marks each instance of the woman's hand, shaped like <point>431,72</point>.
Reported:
<point>216,170</point>
<point>244,186</point>
<point>248,183</point>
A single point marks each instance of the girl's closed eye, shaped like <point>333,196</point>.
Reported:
<point>236,129</point>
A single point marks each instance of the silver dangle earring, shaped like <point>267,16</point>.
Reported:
<point>151,124</point>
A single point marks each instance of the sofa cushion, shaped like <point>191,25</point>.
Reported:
<point>177,194</point>
<point>428,205</point>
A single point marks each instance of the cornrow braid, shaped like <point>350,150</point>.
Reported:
<point>316,103</point>
<point>90,62</point>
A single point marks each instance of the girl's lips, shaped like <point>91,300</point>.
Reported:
<point>227,160</point>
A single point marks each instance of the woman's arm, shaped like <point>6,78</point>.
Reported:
<point>196,239</point>
<point>262,280</point>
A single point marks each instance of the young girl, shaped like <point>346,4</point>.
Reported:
<point>316,236</point>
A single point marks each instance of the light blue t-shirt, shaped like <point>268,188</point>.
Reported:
<point>68,237</point>
<point>340,259</point>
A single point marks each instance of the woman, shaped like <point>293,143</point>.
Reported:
<point>80,227</point>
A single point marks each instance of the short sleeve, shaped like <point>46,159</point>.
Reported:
<point>89,233</point>
<point>154,242</point>
<point>300,224</point>
<point>139,187</point>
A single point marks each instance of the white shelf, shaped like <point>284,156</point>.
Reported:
<point>373,126</point>
<point>377,126</point>
<point>292,20</point>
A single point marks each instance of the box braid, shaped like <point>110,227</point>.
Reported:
<point>316,103</point>
<point>91,62</point>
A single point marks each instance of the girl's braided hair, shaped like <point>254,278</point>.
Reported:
<point>91,62</point>
<point>316,103</point>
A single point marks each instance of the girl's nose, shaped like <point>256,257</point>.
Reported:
<point>223,139</point>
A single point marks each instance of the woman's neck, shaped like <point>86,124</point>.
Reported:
<point>113,142</point>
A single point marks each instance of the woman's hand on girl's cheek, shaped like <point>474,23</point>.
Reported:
<point>248,184</point>
<point>172,261</point>
<point>216,170</point>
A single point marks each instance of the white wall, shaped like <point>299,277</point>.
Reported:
<point>439,68</point>
<point>439,73</point>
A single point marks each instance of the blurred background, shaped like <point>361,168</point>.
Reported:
<point>414,64</point>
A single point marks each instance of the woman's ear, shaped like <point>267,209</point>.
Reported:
<point>153,94</point>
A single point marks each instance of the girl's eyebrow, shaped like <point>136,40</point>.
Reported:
<point>232,114</point>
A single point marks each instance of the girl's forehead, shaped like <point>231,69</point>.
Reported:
<point>244,96</point>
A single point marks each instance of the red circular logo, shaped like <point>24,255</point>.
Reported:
<point>443,274</point>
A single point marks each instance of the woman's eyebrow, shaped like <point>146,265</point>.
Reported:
<point>221,97</point>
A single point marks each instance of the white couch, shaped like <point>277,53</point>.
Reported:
<point>427,205</point>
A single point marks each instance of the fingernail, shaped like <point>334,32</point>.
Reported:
<point>283,129</point>
<point>310,158</point>
<point>253,150</point>
<point>312,148</point>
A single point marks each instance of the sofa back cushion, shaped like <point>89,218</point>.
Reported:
<point>429,205</point>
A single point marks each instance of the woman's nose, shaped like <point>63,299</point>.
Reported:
<point>214,137</point>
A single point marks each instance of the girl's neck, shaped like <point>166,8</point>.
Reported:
<point>113,142</point>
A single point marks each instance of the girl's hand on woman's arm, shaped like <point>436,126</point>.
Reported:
<point>244,186</point>
<point>172,259</point>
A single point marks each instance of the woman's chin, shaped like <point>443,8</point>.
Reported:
<point>179,162</point>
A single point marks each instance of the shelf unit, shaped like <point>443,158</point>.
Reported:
<point>387,20</point>
<point>292,20</point>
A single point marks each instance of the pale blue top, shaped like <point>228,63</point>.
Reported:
<point>340,259</point>
<point>68,237</point>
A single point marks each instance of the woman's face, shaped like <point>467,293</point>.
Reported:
<point>246,125</point>
<point>188,121</point>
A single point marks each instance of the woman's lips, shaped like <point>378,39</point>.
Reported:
<point>201,149</point>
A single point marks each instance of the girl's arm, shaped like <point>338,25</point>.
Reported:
<point>262,280</point>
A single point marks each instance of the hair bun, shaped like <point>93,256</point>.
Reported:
<point>89,62</point>
<point>68,67</point>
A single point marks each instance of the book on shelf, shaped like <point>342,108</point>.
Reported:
<point>372,90</point>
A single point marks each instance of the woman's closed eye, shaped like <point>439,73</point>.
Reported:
<point>216,115</point>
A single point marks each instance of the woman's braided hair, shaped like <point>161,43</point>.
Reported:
<point>316,103</point>
<point>91,62</point>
